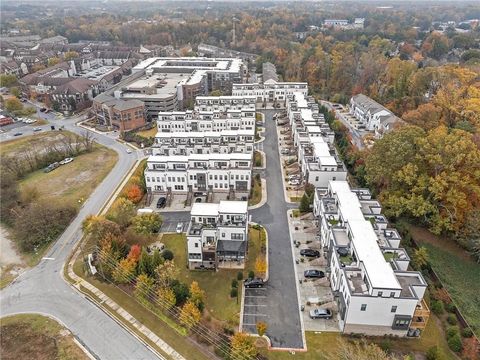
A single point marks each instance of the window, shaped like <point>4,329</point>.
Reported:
<point>237,236</point>
<point>394,309</point>
<point>196,245</point>
<point>392,294</point>
<point>363,307</point>
<point>380,293</point>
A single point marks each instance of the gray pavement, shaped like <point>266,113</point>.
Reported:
<point>42,289</point>
<point>282,309</point>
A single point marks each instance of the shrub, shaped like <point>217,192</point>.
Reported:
<point>467,332</point>
<point>234,283</point>
<point>386,345</point>
<point>181,292</point>
<point>452,331</point>
<point>167,254</point>
<point>240,276</point>
<point>251,274</point>
<point>452,319</point>
<point>450,307</point>
<point>233,292</point>
<point>455,343</point>
<point>434,353</point>
<point>437,307</point>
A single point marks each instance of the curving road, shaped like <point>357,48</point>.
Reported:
<point>43,290</point>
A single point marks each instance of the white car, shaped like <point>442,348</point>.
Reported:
<point>285,152</point>
<point>294,182</point>
<point>30,121</point>
<point>129,151</point>
<point>294,177</point>
<point>66,161</point>
<point>179,228</point>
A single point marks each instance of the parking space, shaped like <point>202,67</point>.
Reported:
<point>314,292</point>
<point>171,226</point>
<point>254,306</point>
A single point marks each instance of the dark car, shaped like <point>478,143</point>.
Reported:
<point>199,193</point>
<point>317,274</point>
<point>43,109</point>
<point>161,203</point>
<point>310,253</point>
<point>17,134</point>
<point>342,251</point>
<point>254,283</point>
<point>198,200</point>
<point>51,167</point>
<point>320,313</point>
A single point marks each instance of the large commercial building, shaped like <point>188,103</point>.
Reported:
<point>123,115</point>
<point>374,291</point>
<point>168,84</point>
<point>217,235</point>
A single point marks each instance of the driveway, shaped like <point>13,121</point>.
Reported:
<point>281,310</point>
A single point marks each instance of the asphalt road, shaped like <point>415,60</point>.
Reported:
<point>280,308</point>
<point>43,290</point>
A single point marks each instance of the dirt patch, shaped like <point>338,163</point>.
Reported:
<point>8,253</point>
<point>421,235</point>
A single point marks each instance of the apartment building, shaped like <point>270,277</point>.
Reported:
<point>228,173</point>
<point>270,90</point>
<point>216,120</point>
<point>373,116</point>
<point>204,142</point>
<point>313,138</point>
<point>217,235</point>
<point>374,291</point>
<point>123,115</point>
<point>224,103</point>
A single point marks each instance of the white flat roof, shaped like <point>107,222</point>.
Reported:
<point>204,209</point>
<point>214,209</point>
<point>202,134</point>
<point>201,157</point>
<point>233,207</point>
<point>364,238</point>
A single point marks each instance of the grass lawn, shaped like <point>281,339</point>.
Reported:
<point>150,133</point>
<point>32,336</point>
<point>257,159</point>
<point>216,284</point>
<point>325,344</point>
<point>74,182</point>
<point>256,194</point>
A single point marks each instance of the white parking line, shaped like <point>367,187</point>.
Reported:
<point>255,296</point>
<point>254,315</point>
<point>254,305</point>
<point>249,324</point>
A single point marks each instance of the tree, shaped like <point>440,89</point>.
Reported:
<point>166,297</point>
<point>124,272</point>
<point>147,223</point>
<point>122,212</point>
<point>181,292</point>
<point>134,253</point>
<point>144,287</point>
<point>16,92</point>
<point>243,346</point>
<point>7,80</point>
<point>260,265</point>
<point>197,295</point>
<point>261,328</point>
<point>69,55</point>
<point>304,204</point>
<point>166,272</point>
<point>98,227</point>
<point>427,116</point>
<point>359,350</point>
<point>145,264</point>
<point>190,315</point>
<point>13,104</point>
<point>134,193</point>
<point>420,258</point>
<point>53,61</point>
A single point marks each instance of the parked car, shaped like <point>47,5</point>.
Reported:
<point>254,283</point>
<point>66,161</point>
<point>198,200</point>
<point>23,100</point>
<point>294,182</point>
<point>17,134</point>
<point>51,167</point>
<point>43,109</point>
<point>129,151</point>
<point>37,129</point>
<point>317,274</point>
<point>179,228</point>
<point>320,313</point>
<point>284,151</point>
<point>310,253</point>
<point>342,251</point>
<point>161,203</point>
<point>200,193</point>
<point>294,177</point>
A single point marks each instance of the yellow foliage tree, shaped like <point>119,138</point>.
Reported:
<point>190,315</point>
<point>166,297</point>
<point>243,346</point>
<point>260,265</point>
<point>197,295</point>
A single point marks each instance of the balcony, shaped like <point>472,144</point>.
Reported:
<point>420,316</point>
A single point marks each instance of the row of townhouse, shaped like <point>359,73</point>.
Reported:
<point>214,120</point>
<point>217,235</point>
<point>204,142</point>
<point>224,103</point>
<point>313,138</point>
<point>373,116</point>
<point>374,291</point>
<point>270,90</point>
<point>229,173</point>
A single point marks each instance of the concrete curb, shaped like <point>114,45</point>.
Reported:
<point>264,199</point>
<point>290,216</point>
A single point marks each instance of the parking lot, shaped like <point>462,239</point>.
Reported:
<point>254,305</point>
<point>171,226</point>
<point>314,293</point>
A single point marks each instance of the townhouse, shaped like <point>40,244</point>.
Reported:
<point>270,90</point>
<point>373,116</point>
<point>224,103</point>
<point>217,235</point>
<point>216,120</point>
<point>368,272</point>
<point>318,159</point>
<point>228,173</point>
<point>204,142</point>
